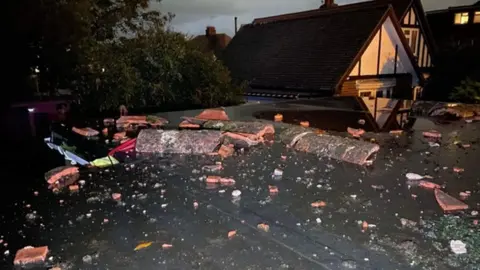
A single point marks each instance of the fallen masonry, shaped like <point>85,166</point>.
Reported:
<point>290,180</point>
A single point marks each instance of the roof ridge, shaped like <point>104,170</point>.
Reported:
<point>319,12</point>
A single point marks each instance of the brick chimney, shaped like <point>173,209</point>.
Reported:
<point>211,31</point>
<point>328,4</point>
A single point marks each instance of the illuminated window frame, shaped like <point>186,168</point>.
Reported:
<point>461,18</point>
<point>476,17</point>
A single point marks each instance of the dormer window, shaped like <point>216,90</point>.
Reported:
<point>476,17</point>
<point>461,18</point>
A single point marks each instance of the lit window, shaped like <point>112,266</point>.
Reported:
<point>366,94</point>
<point>476,18</point>
<point>461,18</point>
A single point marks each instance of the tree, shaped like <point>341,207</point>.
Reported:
<point>467,92</point>
<point>114,52</point>
<point>49,35</point>
<point>154,68</point>
<point>451,67</point>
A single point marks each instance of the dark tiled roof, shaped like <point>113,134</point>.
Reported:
<point>311,53</point>
<point>211,44</point>
<point>400,7</point>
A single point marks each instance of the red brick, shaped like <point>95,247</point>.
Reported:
<point>116,196</point>
<point>29,255</point>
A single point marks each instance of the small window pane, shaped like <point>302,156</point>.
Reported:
<point>476,18</point>
<point>461,18</point>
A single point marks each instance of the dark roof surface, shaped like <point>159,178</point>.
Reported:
<point>303,54</point>
<point>400,7</point>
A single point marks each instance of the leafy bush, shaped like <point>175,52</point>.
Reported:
<point>467,92</point>
<point>454,228</point>
<point>154,68</point>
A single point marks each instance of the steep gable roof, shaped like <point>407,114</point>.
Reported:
<point>310,54</point>
<point>399,6</point>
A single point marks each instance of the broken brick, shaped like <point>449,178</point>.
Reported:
<point>213,114</point>
<point>225,151</point>
<point>227,181</point>
<point>231,234</point>
<point>304,123</point>
<point>355,132</point>
<point>449,203</point>
<point>188,125</point>
<point>73,188</point>
<point>264,227</point>
<point>318,204</point>
<point>278,117</point>
<point>31,255</point>
<point>213,179</point>
<point>116,196</point>
<point>432,134</point>
<point>396,132</point>
<point>428,185</point>
<point>167,246</point>
<point>273,190</point>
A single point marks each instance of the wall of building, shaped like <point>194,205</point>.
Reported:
<point>416,38</point>
<point>385,55</point>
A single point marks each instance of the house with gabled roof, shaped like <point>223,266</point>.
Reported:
<point>349,50</point>
<point>411,17</point>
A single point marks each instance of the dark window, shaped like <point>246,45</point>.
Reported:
<point>365,94</point>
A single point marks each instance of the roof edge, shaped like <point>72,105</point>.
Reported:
<point>363,48</point>
<point>317,12</point>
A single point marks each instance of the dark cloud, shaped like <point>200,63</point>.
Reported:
<point>191,16</point>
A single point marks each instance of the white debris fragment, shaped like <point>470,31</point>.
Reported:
<point>236,193</point>
<point>433,144</point>
<point>319,220</point>
<point>277,172</point>
<point>81,182</point>
<point>221,191</point>
<point>353,196</point>
<point>414,176</point>
<point>458,247</point>
<point>474,213</point>
<point>7,252</point>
